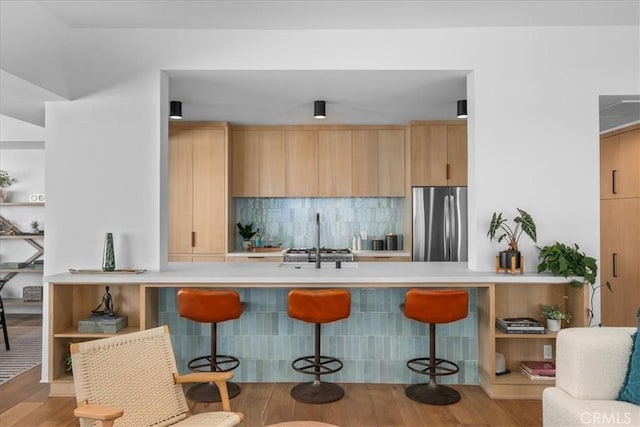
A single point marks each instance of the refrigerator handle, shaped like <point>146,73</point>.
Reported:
<point>447,231</point>
<point>452,224</point>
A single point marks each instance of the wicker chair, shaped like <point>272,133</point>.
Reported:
<point>132,380</point>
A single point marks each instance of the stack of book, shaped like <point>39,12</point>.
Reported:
<point>538,370</point>
<point>519,325</point>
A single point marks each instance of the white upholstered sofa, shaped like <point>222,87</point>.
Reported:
<point>591,364</point>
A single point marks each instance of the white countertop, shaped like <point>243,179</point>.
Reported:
<point>381,253</point>
<point>370,274</point>
<point>257,254</point>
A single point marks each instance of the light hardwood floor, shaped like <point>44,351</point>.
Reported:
<point>24,402</point>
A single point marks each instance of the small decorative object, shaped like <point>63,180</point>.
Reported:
<point>554,316</point>
<point>108,256</point>
<point>105,308</point>
<point>510,259</point>
<point>247,232</point>
<point>36,197</point>
<point>564,260</point>
<point>5,181</point>
<point>35,227</point>
<point>103,318</point>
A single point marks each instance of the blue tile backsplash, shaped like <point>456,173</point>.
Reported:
<point>291,221</point>
<point>374,343</point>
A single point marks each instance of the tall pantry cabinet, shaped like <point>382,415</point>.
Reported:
<point>620,225</point>
<point>197,191</point>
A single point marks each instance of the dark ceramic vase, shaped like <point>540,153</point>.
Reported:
<point>506,256</point>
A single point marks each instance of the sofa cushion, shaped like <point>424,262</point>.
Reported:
<point>591,363</point>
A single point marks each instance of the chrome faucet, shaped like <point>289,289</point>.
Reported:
<point>318,240</point>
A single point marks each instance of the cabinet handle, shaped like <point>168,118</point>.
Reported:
<point>613,181</point>
<point>447,171</point>
<point>256,257</point>
<point>193,239</point>
<point>615,264</point>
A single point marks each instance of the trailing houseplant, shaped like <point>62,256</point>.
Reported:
<point>569,261</point>
<point>499,225</point>
<point>246,232</point>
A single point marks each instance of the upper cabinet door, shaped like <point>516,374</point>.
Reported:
<point>245,164</point>
<point>438,154</point>
<point>619,159</point>
<point>457,156</point>
<point>272,164</point>
<point>391,176</point>
<point>180,191</point>
<point>301,152</point>
<point>364,163</point>
<point>209,192</point>
<point>334,163</point>
<point>429,155</point>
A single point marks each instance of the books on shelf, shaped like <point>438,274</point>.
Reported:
<point>519,325</point>
<point>538,370</point>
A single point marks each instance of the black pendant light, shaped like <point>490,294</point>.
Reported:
<point>462,109</point>
<point>175,110</point>
<point>319,110</point>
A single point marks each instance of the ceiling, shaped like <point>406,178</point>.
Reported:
<point>354,97</point>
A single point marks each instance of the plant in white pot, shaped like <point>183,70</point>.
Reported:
<point>523,224</point>
<point>554,316</point>
<point>246,232</point>
<point>5,181</point>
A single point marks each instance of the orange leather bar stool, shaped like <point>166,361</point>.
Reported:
<point>211,306</point>
<point>433,307</point>
<point>318,306</point>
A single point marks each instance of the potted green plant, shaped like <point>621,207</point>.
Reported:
<point>569,261</point>
<point>523,224</point>
<point>554,316</point>
<point>246,232</point>
<point>35,227</point>
<point>5,181</point>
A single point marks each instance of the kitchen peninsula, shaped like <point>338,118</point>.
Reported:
<point>374,343</point>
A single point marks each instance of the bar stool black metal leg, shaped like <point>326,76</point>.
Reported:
<point>317,391</point>
<point>208,392</point>
<point>433,393</point>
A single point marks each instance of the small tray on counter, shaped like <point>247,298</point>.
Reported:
<point>98,271</point>
<point>273,249</point>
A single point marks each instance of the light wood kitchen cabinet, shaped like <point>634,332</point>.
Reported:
<point>197,191</point>
<point>620,226</point>
<point>438,154</point>
<point>377,159</point>
<point>619,249</point>
<point>301,163</point>
<point>364,163</point>
<point>391,163</point>
<point>334,163</point>
<point>620,164</point>
<point>257,163</point>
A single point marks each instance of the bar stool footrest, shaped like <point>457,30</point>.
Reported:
<point>432,394</point>
<point>422,365</point>
<point>203,364</point>
<point>317,392</point>
<point>310,365</point>
<point>209,392</point>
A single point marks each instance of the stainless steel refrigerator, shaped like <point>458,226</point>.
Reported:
<point>440,231</point>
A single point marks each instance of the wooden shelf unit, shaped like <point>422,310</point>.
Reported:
<point>513,300</point>
<point>71,303</point>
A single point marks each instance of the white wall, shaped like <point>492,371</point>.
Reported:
<point>534,123</point>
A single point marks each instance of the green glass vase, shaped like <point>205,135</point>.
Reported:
<point>108,257</point>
